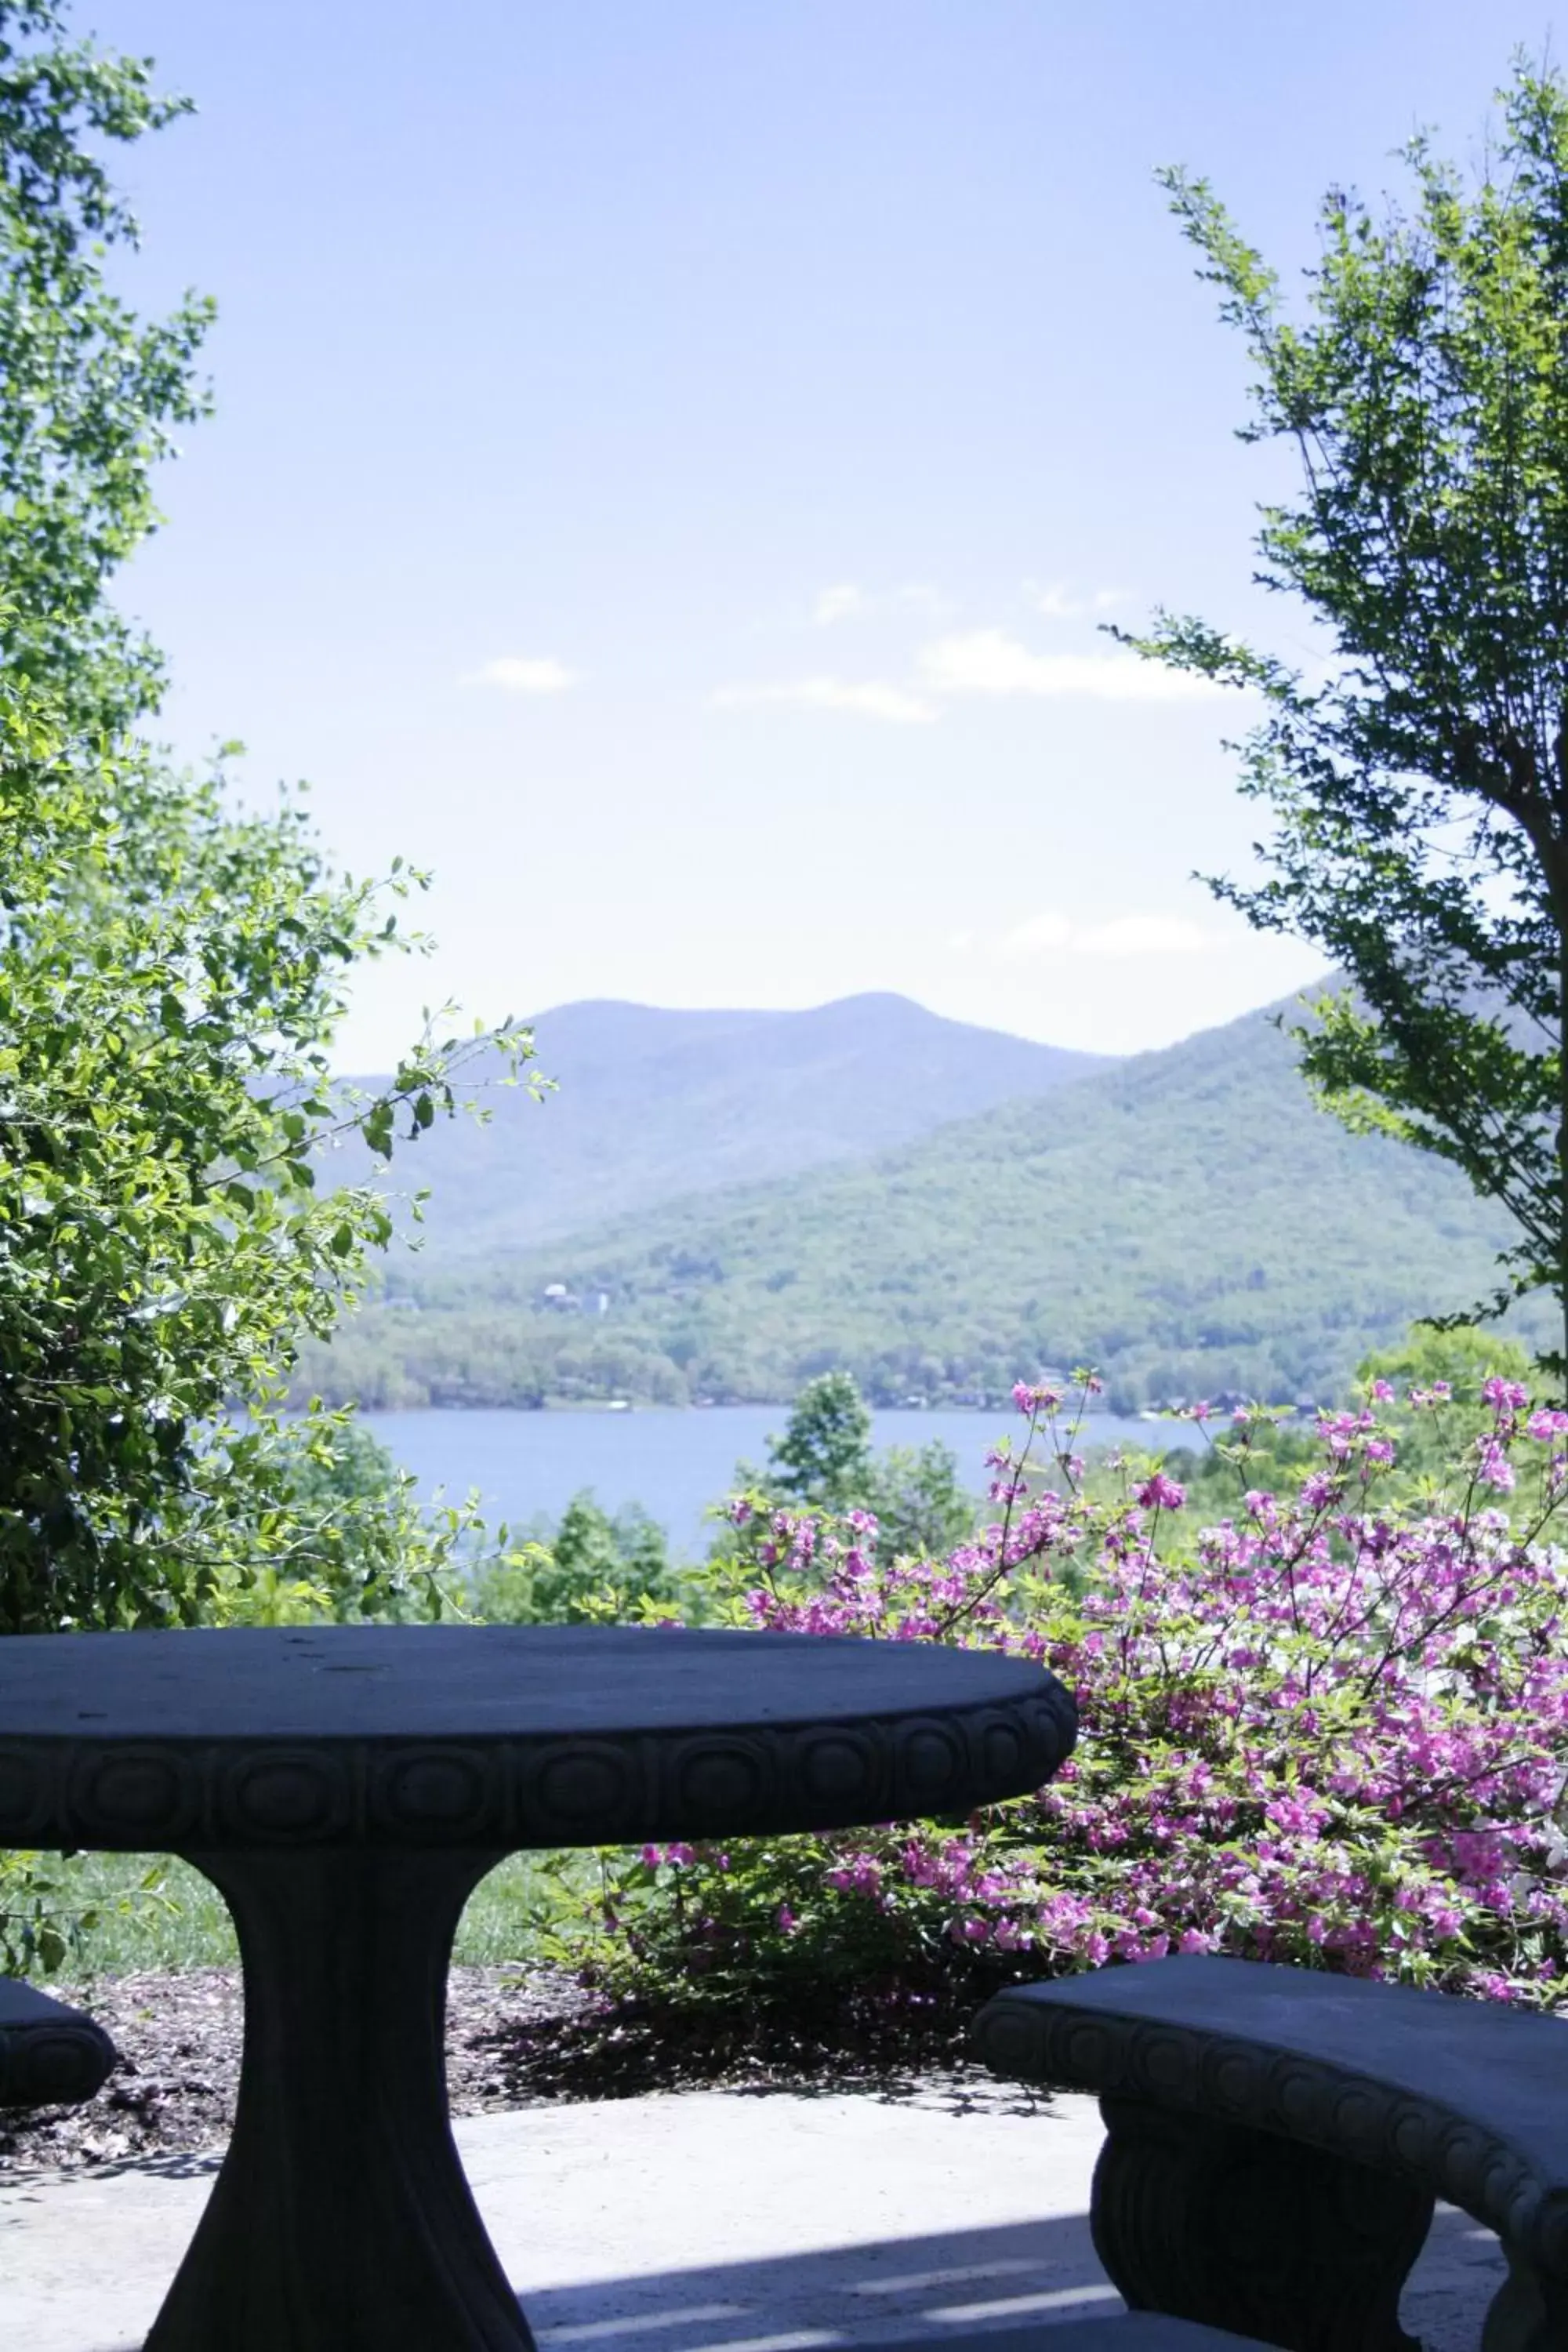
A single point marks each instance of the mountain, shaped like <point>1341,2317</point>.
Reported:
<point>1187,1221</point>
<point>653,1105</point>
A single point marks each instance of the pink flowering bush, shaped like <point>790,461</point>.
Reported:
<point>1324,1728</point>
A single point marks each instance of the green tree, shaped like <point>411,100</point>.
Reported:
<point>1449,1365</point>
<point>90,394</point>
<point>594,1566</point>
<point>824,1454</point>
<point>171,976</point>
<point>1418,781</point>
<point>1461,1357</point>
<point>824,1461</point>
<point>1446,1365</point>
<point>921,1506</point>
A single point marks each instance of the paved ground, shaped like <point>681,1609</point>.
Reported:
<point>707,2222</point>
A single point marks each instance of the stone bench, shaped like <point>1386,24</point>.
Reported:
<point>50,2056</point>
<point>1277,2137</point>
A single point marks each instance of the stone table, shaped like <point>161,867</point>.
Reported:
<point>347,1787</point>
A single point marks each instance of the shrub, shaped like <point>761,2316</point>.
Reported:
<point>1315,1729</point>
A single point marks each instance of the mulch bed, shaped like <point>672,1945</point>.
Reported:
<point>512,2039</point>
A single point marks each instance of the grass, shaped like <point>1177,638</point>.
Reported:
<point>156,1913</point>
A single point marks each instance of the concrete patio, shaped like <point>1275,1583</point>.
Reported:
<point>707,2222</point>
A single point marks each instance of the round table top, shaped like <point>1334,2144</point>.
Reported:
<point>503,1736</point>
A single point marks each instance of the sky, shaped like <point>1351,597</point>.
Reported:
<point>672,465</point>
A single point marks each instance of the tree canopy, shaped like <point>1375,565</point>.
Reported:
<point>824,1454</point>
<point>1418,778</point>
<point>90,394</point>
<point>171,970</point>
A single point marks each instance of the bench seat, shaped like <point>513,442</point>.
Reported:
<point>1276,2138</point>
<point>50,2056</point>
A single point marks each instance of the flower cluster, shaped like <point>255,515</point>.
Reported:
<point>1324,1728</point>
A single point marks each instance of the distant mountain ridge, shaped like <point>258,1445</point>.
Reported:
<point>1187,1221</point>
<point>656,1105</point>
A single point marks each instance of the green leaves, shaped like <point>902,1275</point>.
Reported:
<point>377,1128</point>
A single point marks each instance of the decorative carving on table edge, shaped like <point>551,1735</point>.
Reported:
<point>1201,2071</point>
<point>560,1790</point>
<point>53,2062</point>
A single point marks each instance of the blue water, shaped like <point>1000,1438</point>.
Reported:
<point>527,1465</point>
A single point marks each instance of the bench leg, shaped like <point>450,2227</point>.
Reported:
<point>1527,2313</point>
<point>1237,2229</point>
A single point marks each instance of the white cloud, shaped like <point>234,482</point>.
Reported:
<point>1122,939</point>
<point>1041,936</point>
<point>844,602</point>
<point>987,661</point>
<point>516,674</point>
<point>1141,935</point>
<point>1056,602</point>
<point>872,697</point>
<point>920,596</point>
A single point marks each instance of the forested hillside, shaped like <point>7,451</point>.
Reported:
<point>653,1103</point>
<point>1187,1221</point>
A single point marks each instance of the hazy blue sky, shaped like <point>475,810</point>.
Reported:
<point>672,456</point>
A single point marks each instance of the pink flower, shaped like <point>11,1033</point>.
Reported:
<point>1312,1730</point>
<point>1160,1493</point>
<point>1494,1469</point>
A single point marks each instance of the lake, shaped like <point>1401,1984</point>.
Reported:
<point>528,1464</point>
